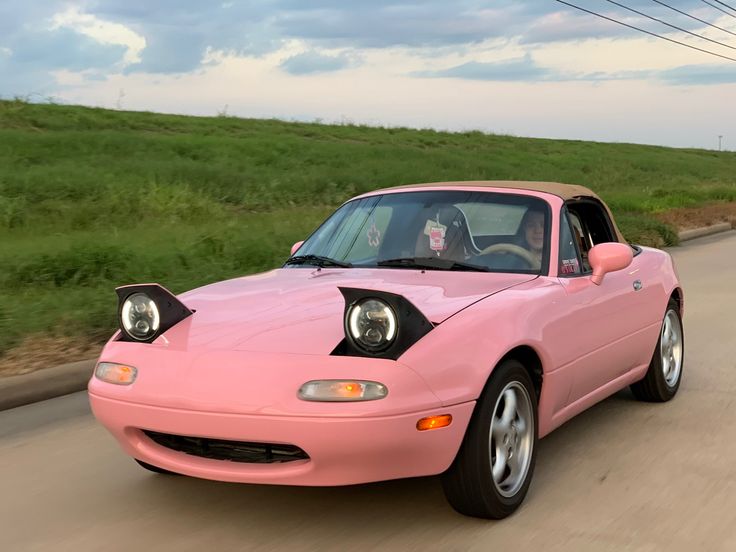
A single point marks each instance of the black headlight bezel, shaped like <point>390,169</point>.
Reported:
<point>171,310</point>
<point>411,324</point>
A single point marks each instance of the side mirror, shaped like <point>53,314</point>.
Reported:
<point>608,257</point>
<point>296,246</point>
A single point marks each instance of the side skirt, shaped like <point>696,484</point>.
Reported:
<point>596,396</point>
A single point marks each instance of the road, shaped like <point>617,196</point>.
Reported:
<point>622,476</point>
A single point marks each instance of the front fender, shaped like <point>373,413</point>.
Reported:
<point>458,356</point>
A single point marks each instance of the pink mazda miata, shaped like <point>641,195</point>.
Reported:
<point>425,329</point>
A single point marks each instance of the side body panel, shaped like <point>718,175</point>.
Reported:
<point>659,278</point>
<point>614,323</point>
<point>457,357</point>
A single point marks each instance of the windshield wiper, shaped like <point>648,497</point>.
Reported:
<point>432,263</point>
<point>317,260</point>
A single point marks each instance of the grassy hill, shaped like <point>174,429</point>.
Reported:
<point>93,198</point>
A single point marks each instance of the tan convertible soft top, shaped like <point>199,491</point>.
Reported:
<point>565,191</point>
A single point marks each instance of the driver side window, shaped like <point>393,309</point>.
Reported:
<point>590,226</point>
<point>569,260</point>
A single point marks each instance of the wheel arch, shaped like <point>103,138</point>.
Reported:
<point>529,358</point>
<point>677,297</point>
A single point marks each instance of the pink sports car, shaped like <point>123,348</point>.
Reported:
<point>425,329</point>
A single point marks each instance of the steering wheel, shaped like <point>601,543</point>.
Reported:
<point>514,250</point>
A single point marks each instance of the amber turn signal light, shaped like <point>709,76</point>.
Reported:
<point>434,422</point>
<point>342,391</point>
<point>119,374</point>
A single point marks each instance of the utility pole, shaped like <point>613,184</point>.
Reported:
<point>720,137</point>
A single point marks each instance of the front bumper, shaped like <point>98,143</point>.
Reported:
<point>342,450</point>
<point>252,397</point>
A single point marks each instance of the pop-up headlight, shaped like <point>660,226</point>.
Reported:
<point>372,324</point>
<point>146,311</point>
<point>140,317</point>
<point>379,324</point>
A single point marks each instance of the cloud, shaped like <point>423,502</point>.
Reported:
<point>526,69</point>
<point>170,50</point>
<point>565,26</point>
<point>519,69</point>
<point>699,75</point>
<point>62,49</point>
<point>185,36</point>
<point>174,36</point>
<point>19,17</point>
<point>411,24</point>
<point>32,48</point>
<point>565,23</point>
<point>311,62</point>
<point>28,59</point>
<point>180,33</point>
<point>104,32</point>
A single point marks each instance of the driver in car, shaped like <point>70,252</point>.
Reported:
<point>532,234</point>
<point>524,250</point>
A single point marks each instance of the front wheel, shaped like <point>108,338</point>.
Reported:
<point>493,468</point>
<point>662,380</point>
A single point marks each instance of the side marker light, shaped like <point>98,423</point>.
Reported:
<point>434,422</point>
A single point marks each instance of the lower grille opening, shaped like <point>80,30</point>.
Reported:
<point>233,451</point>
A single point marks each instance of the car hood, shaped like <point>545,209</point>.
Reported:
<point>300,310</point>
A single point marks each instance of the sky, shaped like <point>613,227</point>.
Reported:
<point>533,68</point>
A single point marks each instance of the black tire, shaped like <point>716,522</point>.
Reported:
<point>468,483</point>
<point>654,386</point>
<point>153,468</point>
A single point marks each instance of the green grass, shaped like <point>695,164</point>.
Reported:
<point>92,198</point>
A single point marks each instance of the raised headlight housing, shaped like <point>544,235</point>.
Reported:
<point>145,311</point>
<point>379,324</point>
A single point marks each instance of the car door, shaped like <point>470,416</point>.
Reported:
<point>605,322</point>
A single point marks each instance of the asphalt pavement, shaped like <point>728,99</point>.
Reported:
<point>622,476</point>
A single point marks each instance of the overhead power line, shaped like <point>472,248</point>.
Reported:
<point>719,9</point>
<point>724,4</point>
<point>671,26</point>
<point>695,18</point>
<point>645,31</point>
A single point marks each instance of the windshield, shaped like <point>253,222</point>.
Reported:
<point>453,230</point>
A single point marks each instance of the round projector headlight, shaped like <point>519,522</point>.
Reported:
<point>140,317</point>
<point>372,324</point>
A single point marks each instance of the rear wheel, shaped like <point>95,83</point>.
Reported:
<point>154,469</point>
<point>662,380</point>
<point>493,469</point>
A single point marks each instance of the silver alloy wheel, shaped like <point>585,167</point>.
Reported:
<point>511,439</point>
<point>671,348</point>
